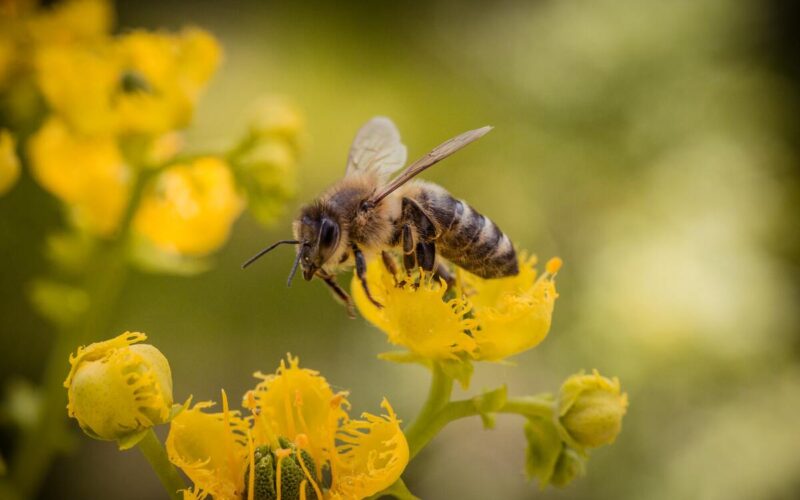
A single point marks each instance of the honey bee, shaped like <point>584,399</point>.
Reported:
<point>369,212</point>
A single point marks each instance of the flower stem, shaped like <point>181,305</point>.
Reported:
<point>528,406</point>
<point>438,397</point>
<point>155,454</point>
<point>105,278</point>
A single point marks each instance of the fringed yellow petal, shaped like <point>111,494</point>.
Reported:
<point>293,402</point>
<point>190,208</point>
<point>514,313</point>
<point>417,317</point>
<point>117,389</point>
<point>210,448</point>
<point>371,455</point>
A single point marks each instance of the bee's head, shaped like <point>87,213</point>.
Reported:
<point>319,233</point>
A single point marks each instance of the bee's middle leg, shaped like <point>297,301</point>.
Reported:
<point>361,272</point>
<point>338,292</point>
<point>425,248</point>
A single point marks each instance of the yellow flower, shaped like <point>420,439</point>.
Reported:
<point>189,208</point>
<point>71,21</point>
<point>300,444</point>
<point>87,173</point>
<point>487,320</point>
<point>212,449</point>
<point>9,163</point>
<point>417,318</point>
<point>118,390</point>
<point>141,82</point>
<point>590,409</point>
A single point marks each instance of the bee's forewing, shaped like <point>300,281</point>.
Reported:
<point>436,155</point>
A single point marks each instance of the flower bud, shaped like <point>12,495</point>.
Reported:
<point>590,410</point>
<point>118,390</point>
<point>275,117</point>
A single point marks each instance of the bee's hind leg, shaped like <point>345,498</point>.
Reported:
<point>338,292</point>
<point>443,272</point>
<point>361,272</point>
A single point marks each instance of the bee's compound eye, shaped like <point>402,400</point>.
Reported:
<point>328,234</point>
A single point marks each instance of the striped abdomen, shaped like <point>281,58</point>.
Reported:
<point>467,238</point>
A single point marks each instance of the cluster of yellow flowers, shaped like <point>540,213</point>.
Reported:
<point>296,441</point>
<point>109,129</point>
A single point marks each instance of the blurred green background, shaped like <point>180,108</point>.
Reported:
<point>652,145</point>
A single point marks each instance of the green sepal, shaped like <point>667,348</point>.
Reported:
<point>146,257</point>
<point>460,370</point>
<point>489,403</point>
<point>570,466</point>
<point>60,303</point>
<point>397,490</point>
<point>131,440</point>
<point>404,357</point>
<point>544,448</point>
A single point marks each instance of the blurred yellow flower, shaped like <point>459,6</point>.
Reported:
<point>488,320</point>
<point>300,443</point>
<point>71,21</point>
<point>590,410</point>
<point>9,162</point>
<point>118,390</point>
<point>140,82</point>
<point>189,208</point>
<point>88,174</point>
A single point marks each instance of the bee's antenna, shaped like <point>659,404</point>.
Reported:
<point>294,269</point>
<point>268,249</point>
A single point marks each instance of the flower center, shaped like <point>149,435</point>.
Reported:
<point>286,473</point>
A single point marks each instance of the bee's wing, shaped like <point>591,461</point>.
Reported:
<point>436,155</point>
<point>377,148</point>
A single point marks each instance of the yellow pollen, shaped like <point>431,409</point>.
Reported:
<point>553,265</point>
<point>301,440</point>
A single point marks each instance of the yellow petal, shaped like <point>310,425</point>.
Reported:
<point>211,449</point>
<point>293,402</point>
<point>416,317</point>
<point>189,209</point>
<point>371,455</point>
<point>514,313</point>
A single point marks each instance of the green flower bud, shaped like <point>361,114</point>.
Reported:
<point>117,390</point>
<point>590,410</point>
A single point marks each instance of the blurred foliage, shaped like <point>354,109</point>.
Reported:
<point>647,143</point>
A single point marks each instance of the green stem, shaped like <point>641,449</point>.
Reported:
<point>438,396</point>
<point>526,406</point>
<point>155,454</point>
<point>106,276</point>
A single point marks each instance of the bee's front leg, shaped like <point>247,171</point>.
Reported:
<point>338,292</point>
<point>361,272</point>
